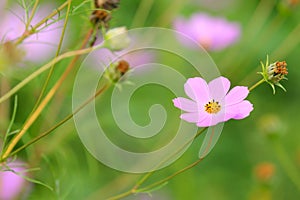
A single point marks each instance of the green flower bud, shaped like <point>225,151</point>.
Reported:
<point>274,73</point>
<point>116,70</point>
<point>117,39</point>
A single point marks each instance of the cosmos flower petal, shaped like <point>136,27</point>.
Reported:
<point>218,88</point>
<point>197,89</point>
<point>190,117</point>
<point>12,180</point>
<point>208,121</point>
<point>239,111</point>
<point>185,104</point>
<point>236,95</point>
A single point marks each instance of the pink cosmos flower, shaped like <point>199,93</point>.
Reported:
<point>11,182</point>
<point>212,103</point>
<point>38,46</point>
<point>135,58</point>
<point>213,33</point>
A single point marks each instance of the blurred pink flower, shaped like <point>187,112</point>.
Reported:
<point>212,103</point>
<point>213,33</point>
<point>104,57</point>
<point>11,181</point>
<point>39,46</point>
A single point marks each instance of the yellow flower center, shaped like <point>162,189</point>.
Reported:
<point>212,107</point>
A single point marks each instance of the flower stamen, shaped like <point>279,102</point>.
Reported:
<point>212,107</point>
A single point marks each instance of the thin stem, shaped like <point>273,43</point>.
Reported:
<point>27,33</point>
<point>170,177</point>
<point>57,53</point>
<point>256,84</point>
<point>100,91</point>
<point>145,177</point>
<point>44,102</point>
<point>10,124</point>
<point>32,14</point>
<point>120,196</point>
<point>44,68</point>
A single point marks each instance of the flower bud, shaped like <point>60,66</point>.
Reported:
<point>9,55</point>
<point>276,71</point>
<point>116,70</point>
<point>117,39</point>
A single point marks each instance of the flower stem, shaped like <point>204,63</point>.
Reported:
<point>27,33</point>
<point>32,14</point>
<point>171,176</point>
<point>256,84</point>
<point>57,54</point>
<point>44,68</point>
<point>135,188</point>
<point>100,91</point>
<point>44,102</point>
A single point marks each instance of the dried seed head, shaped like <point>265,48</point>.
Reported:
<point>277,71</point>
<point>117,70</point>
<point>102,13</point>
<point>274,73</point>
<point>123,67</point>
<point>107,4</point>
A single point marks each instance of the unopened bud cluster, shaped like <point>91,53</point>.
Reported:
<point>277,71</point>
<point>273,73</point>
<point>117,70</point>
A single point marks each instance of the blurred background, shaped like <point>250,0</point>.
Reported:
<point>255,158</point>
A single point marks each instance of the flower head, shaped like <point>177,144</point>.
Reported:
<point>213,33</point>
<point>115,71</point>
<point>117,39</point>
<point>212,103</point>
<point>273,73</point>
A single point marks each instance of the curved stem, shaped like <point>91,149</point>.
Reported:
<point>27,33</point>
<point>32,14</point>
<point>145,177</point>
<point>153,185</point>
<point>100,91</point>
<point>256,84</point>
<point>44,68</point>
<point>57,53</point>
<point>44,102</point>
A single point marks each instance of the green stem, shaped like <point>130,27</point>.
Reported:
<point>32,14</point>
<point>27,33</point>
<point>145,177</point>
<point>32,118</point>
<point>287,165</point>
<point>57,53</point>
<point>120,196</point>
<point>256,84</point>
<point>44,68</point>
<point>100,91</point>
<point>153,185</point>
